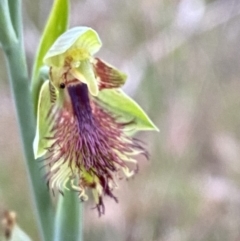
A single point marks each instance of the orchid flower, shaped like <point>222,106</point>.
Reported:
<point>84,120</point>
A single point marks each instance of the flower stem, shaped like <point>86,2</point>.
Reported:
<point>68,223</point>
<point>17,70</point>
<point>15,14</point>
<point>20,89</point>
<point>6,29</point>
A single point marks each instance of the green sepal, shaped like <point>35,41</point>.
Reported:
<point>84,42</point>
<point>126,109</point>
<point>56,25</point>
<point>43,125</point>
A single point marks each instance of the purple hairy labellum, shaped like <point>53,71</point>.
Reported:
<point>83,122</point>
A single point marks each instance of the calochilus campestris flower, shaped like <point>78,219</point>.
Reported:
<point>84,120</point>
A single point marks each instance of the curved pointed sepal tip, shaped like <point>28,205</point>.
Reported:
<point>83,39</point>
<point>126,109</point>
<point>36,152</point>
<point>43,126</point>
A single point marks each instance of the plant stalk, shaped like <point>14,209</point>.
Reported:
<point>68,222</point>
<point>19,80</point>
<point>23,103</point>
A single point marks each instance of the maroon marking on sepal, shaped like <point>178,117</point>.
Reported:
<point>107,79</point>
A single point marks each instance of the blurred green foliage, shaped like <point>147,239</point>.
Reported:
<point>183,66</point>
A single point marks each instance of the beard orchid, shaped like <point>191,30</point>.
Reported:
<point>85,120</point>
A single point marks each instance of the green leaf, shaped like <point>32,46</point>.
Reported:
<point>57,24</point>
<point>43,125</point>
<point>126,109</point>
<point>81,41</point>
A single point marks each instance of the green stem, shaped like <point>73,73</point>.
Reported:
<point>15,14</point>
<point>23,102</point>
<point>6,29</point>
<point>68,223</point>
<point>17,70</point>
<point>20,89</point>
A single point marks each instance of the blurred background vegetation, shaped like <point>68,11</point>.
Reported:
<point>182,59</point>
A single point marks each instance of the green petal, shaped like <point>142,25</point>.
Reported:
<point>43,126</point>
<point>85,74</point>
<point>83,39</point>
<point>108,76</point>
<point>126,109</point>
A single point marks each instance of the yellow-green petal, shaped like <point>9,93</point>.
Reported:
<point>43,126</point>
<point>81,42</point>
<point>85,74</point>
